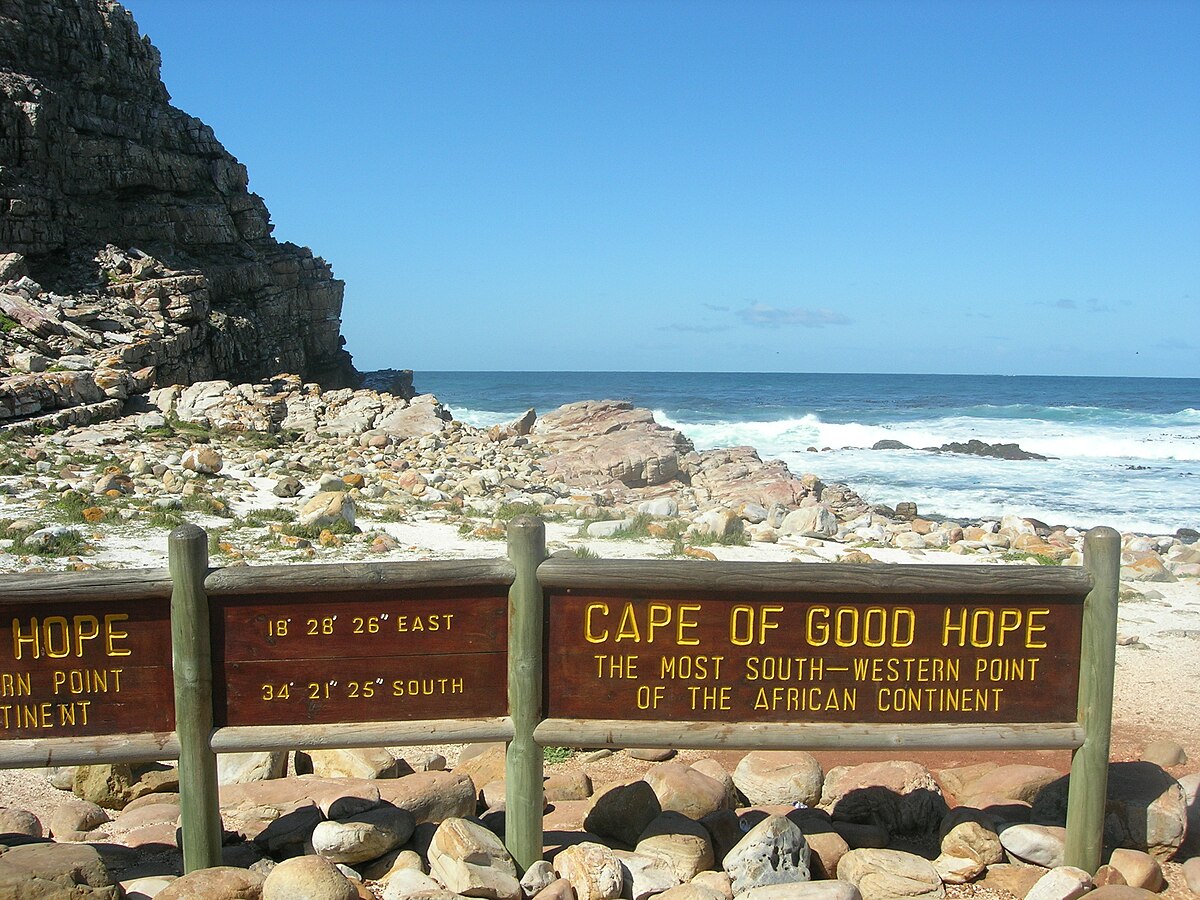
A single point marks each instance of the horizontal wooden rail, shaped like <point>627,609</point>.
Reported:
<point>807,736</point>
<point>245,738</point>
<point>622,576</point>
<point>323,578</point>
<point>64,587</point>
<point>82,751</point>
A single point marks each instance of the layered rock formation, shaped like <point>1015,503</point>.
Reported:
<point>124,214</point>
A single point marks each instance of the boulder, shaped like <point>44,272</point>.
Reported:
<point>1061,883</point>
<point>773,852</point>
<point>19,822</point>
<point>680,788</point>
<point>58,864</point>
<point>683,843</point>
<point>469,859</point>
<point>239,768</point>
<point>1146,808</point>
<point>890,874</point>
<point>901,796</point>
<point>109,786</point>
<point>219,883</point>
<point>810,521</point>
<point>327,510</point>
<point>365,762</point>
<point>592,870</point>
<point>73,819</point>
<point>643,876</point>
<point>1138,869</point>
<point>774,777</point>
<point>431,796</point>
<point>622,811</point>
<point>308,877</point>
<point>1041,845</point>
<point>594,443</point>
<point>363,837</point>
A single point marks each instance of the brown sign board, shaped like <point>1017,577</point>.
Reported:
<point>85,669</point>
<point>360,656</point>
<point>812,657</point>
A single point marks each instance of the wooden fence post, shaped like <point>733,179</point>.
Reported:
<point>1088,788</point>
<point>191,654</point>
<point>523,766</point>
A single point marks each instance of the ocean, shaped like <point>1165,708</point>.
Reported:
<point>1127,450</point>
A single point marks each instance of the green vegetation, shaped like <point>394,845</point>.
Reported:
<point>507,511</point>
<point>391,513</point>
<point>70,505</point>
<point>313,532</point>
<point>261,518</point>
<point>7,323</point>
<point>583,552</point>
<point>1040,559</point>
<point>207,504</point>
<point>215,538</point>
<point>554,755</point>
<point>69,543</point>
<point>165,518</point>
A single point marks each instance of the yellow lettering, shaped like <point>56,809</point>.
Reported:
<point>592,637</point>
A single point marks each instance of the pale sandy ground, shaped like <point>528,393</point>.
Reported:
<point>1157,692</point>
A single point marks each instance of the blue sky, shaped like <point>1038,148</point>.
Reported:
<point>883,187</point>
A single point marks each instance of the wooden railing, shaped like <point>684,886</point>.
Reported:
<point>648,653</point>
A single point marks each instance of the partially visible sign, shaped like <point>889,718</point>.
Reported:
<point>360,656</point>
<point>85,669</point>
<point>795,657</point>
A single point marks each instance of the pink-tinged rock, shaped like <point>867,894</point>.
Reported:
<point>779,777</point>
<point>596,442</point>
<point>430,796</point>
<point>682,789</point>
<point>220,883</point>
<point>1017,781</point>
<point>1138,868</point>
<point>310,877</point>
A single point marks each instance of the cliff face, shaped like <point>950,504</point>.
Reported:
<point>108,191</point>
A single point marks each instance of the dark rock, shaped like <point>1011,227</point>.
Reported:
<point>397,382</point>
<point>890,445</point>
<point>99,164</point>
<point>1188,535</point>
<point>906,509</point>
<point>997,451</point>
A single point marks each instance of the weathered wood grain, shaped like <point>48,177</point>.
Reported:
<point>836,578</point>
<point>334,578</point>
<point>235,739</point>
<point>774,736</point>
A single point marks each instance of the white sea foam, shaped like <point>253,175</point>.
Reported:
<point>1133,471</point>
<point>1121,474</point>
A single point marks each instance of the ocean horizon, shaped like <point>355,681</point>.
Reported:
<point>1125,450</point>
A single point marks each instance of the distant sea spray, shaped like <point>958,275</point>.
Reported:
<point>1127,449</point>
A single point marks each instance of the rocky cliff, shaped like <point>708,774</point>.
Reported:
<point>127,232</point>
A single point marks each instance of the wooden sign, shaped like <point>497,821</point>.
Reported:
<point>713,656</point>
<point>360,656</point>
<point>76,669</point>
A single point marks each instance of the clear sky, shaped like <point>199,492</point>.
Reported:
<point>979,187</point>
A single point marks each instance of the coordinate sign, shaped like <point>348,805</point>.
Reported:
<point>85,669</point>
<point>814,658</point>
<point>386,655</point>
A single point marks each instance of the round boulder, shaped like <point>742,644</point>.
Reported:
<point>779,777</point>
<point>310,877</point>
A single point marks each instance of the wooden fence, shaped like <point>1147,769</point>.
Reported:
<point>561,651</point>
